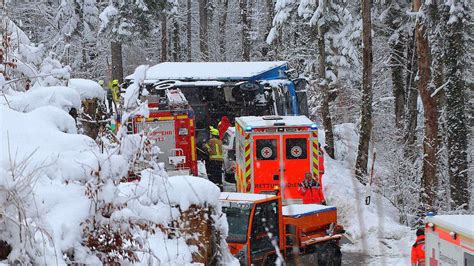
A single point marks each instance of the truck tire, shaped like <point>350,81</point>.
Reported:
<point>330,254</point>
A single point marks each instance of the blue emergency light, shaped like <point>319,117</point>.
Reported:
<point>248,128</point>
<point>314,126</point>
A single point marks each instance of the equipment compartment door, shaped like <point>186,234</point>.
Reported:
<point>266,162</point>
<point>296,162</point>
<point>162,134</point>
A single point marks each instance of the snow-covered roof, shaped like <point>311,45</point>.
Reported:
<point>268,121</point>
<point>235,196</point>
<point>298,210</point>
<point>214,70</point>
<point>463,224</point>
<point>176,83</point>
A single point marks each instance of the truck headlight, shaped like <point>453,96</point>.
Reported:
<point>183,131</point>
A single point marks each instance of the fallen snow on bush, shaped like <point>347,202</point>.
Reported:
<point>58,96</point>
<point>87,88</point>
<point>62,199</point>
<point>374,228</point>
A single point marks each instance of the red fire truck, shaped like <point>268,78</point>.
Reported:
<point>275,151</point>
<point>171,127</point>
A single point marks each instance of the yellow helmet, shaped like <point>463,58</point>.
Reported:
<point>115,82</point>
<point>214,131</point>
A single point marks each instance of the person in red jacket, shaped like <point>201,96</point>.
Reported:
<point>223,125</point>
<point>418,249</point>
<point>311,190</point>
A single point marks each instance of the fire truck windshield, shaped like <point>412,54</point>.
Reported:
<point>238,218</point>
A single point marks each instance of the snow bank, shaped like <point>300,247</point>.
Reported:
<point>87,88</point>
<point>61,97</point>
<point>374,228</point>
<point>41,152</point>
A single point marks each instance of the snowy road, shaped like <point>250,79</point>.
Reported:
<point>362,259</point>
<point>355,259</point>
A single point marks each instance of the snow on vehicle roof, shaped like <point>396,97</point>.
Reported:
<point>463,224</point>
<point>267,121</point>
<point>298,210</point>
<point>235,196</point>
<point>211,70</point>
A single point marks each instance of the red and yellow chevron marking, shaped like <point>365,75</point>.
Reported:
<point>238,174</point>
<point>315,155</point>
<point>248,163</point>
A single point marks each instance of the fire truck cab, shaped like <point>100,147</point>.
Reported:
<point>275,151</point>
<point>171,127</point>
<point>449,240</point>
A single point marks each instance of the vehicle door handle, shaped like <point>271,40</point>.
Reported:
<point>276,177</point>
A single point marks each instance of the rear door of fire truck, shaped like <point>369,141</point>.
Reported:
<point>281,159</point>
<point>266,162</point>
<point>296,162</point>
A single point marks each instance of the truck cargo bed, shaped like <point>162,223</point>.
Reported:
<point>308,223</point>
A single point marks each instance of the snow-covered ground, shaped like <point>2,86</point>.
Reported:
<point>55,182</point>
<point>378,238</point>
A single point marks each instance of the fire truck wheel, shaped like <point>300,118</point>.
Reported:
<point>330,254</point>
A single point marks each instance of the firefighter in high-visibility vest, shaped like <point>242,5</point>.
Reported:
<point>214,150</point>
<point>115,91</point>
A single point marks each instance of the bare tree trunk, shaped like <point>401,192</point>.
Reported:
<point>203,30</point>
<point>323,84</point>
<point>176,44</point>
<point>411,119</point>
<point>164,38</point>
<point>270,14</point>
<point>245,30</point>
<point>117,64</point>
<point>397,81</point>
<point>429,177</point>
<point>396,43</point>
<point>457,131</point>
<point>366,108</point>
<point>222,30</point>
<point>188,31</point>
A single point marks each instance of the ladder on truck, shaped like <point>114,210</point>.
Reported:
<point>175,99</point>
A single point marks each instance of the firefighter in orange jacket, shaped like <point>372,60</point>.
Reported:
<point>310,190</point>
<point>214,150</point>
<point>418,249</point>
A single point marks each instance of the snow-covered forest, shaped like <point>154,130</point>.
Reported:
<point>390,82</point>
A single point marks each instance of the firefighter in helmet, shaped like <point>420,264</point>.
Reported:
<point>418,249</point>
<point>115,91</point>
<point>214,150</point>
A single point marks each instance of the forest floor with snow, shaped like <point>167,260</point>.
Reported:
<point>377,236</point>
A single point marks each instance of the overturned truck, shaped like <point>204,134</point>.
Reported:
<point>233,89</point>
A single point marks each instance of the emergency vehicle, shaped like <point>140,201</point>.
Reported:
<point>261,230</point>
<point>171,127</point>
<point>449,240</point>
<point>276,151</point>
